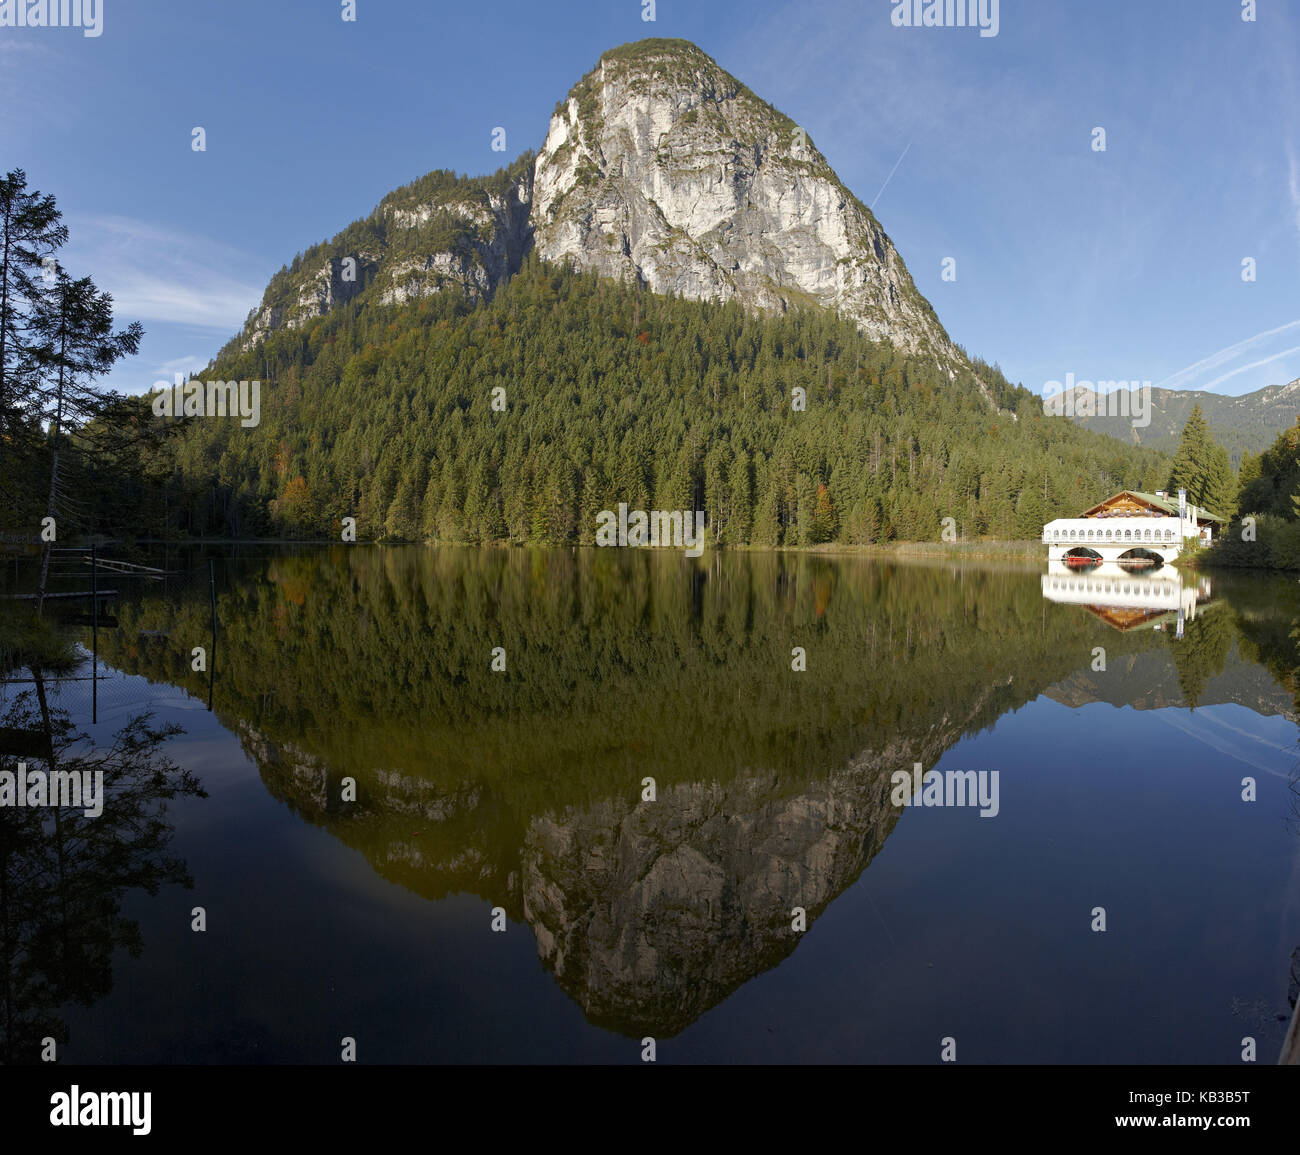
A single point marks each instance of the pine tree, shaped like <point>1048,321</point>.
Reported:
<point>30,231</point>
<point>1029,513</point>
<point>403,517</point>
<point>72,343</point>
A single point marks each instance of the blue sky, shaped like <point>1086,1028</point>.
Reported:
<point>1123,264</point>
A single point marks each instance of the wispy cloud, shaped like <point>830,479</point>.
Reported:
<point>1293,185</point>
<point>165,275</point>
<point>1288,92</point>
<point>12,48</point>
<point>1227,356</point>
<point>191,361</point>
<point>1293,182</point>
<point>29,70</point>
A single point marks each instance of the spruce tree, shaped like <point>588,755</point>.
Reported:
<point>1201,467</point>
<point>1221,485</point>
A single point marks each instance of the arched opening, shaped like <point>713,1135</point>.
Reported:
<point>1140,559</point>
<point>1081,557</point>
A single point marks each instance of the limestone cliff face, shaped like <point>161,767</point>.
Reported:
<point>660,167</point>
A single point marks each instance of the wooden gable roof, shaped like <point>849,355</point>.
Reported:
<point>1153,503</point>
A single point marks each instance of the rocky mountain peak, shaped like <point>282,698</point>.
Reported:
<point>659,166</point>
<point>662,166</point>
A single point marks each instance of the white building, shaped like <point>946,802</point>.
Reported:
<point>1130,525</point>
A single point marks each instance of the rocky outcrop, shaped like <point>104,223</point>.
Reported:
<point>440,234</point>
<point>433,840</point>
<point>496,236</point>
<point>335,282</point>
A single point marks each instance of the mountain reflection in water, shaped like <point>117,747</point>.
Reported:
<point>524,787</point>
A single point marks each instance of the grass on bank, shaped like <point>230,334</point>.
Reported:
<point>29,640</point>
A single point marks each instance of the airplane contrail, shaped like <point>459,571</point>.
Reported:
<point>891,174</point>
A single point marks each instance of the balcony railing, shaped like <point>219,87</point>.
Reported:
<point>1116,531</point>
<point>1127,531</point>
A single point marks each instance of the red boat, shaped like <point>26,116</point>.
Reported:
<point>1082,562</point>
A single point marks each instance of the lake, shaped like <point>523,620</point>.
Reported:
<point>499,806</point>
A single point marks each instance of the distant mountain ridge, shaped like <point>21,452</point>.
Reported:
<point>1246,424</point>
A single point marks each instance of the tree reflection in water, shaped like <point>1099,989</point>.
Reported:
<point>64,876</point>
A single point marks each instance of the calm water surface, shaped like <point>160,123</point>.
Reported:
<point>1121,714</point>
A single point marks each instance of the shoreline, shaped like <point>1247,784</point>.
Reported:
<point>1029,550</point>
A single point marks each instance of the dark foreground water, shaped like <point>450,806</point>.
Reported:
<point>378,796</point>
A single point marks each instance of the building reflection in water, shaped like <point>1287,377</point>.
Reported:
<point>1127,601</point>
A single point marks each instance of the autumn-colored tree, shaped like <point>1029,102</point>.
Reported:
<point>826,521</point>
<point>294,506</point>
